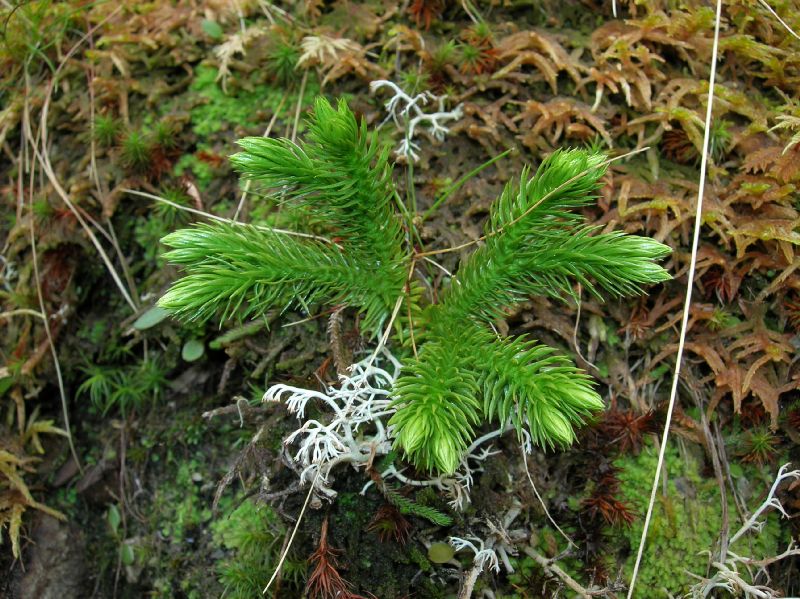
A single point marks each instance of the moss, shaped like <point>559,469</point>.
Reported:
<point>419,558</point>
<point>165,134</point>
<point>685,523</point>
<point>135,152</point>
<point>148,234</point>
<point>106,130</point>
<point>203,172</point>
<point>33,30</point>
<point>252,535</point>
<point>188,511</point>
<point>243,110</point>
<point>282,63</point>
<point>177,521</point>
<point>374,569</point>
<point>218,110</point>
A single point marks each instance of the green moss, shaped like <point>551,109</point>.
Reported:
<point>175,538</point>
<point>218,110</point>
<point>247,528</point>
<point>172,215</point>
<point>165,134</point>
<point>215,112</point>
<point>419,558</point>
<point>685,523</point>
<point>135,152</point>
<point>33,30</point>
<point>106,130</point>
<point>253,535</point>
<point>202,171</point>
<point>282,63</point>
<point>187,510</point>
<point>148,234</point>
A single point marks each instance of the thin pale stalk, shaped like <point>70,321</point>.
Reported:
<point>698,221</point>
<point>222,219</point>
<point>46,322</point>
<point>299,105</point>
<point>294,532</point>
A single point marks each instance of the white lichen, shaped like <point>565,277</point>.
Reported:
<point>738,574</point>
<point>356,431</point>
<point>485,557</point>
<point>406,112</point>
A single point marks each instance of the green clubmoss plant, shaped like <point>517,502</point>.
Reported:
<point>106,129</point>
<point>282,62</point>
<point>165,135</point>
<point>462,373</point>
<point>135,152</point>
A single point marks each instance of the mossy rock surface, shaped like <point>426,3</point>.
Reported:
<point>686,522</point>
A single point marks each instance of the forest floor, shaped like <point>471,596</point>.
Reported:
<point>136,456</point>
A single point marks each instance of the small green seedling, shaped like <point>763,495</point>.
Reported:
<point>461,373</point>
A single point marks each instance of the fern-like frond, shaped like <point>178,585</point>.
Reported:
<point>531,386</point>
<point>409,507</point>
<point>619,264</point>
<point>340,175</point>
<point>242,271</point>
<point>517,381</point>
<point>437,409</point>
<point>566,180</point>
<point>535,244</point>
